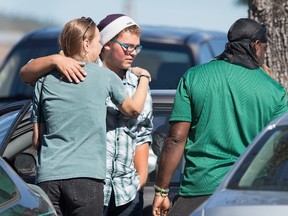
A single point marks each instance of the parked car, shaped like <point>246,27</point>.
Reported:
<point>167,53</point>
<point>16,142</point>
<point>16,196</point>
<point>258,182</point>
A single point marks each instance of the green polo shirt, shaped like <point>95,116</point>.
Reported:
<point>227,105</point>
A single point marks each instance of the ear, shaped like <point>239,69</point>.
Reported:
<point>255,46</point>
<point>86,45</point>
<point>107,46</point>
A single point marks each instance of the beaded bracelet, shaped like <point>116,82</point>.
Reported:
<point>162,195</point>
<point>163,192</point>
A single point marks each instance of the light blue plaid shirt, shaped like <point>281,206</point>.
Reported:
<point>123,136</point>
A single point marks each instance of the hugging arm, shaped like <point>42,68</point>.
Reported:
<point>36,68</point>
<point>133,106</point>
<point>38,130</point>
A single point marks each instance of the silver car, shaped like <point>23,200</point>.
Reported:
<point>258,182</point>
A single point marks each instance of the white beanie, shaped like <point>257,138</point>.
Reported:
<point>112,24</point>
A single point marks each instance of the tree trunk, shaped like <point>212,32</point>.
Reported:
<point>274,14</point>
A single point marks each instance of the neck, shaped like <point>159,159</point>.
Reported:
<point>81,58</point>
<point>121,73</point>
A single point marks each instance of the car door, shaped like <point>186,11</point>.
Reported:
<point>16,138</point>
<point>17,197</point>
<point>11,115</point>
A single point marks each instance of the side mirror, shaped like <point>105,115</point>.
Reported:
<point>157,142</point>
<point>25,164</point>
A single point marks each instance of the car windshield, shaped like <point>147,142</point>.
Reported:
<point>266,167</point>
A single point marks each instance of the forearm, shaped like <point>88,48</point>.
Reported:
<point>35,137</point>
<point>172,152</point>
<point>38,131</point>
<point>140,94</point>
<point>169,160</point>
<point>132,107</point>
<point>141,163</point>
<point>37,68</point>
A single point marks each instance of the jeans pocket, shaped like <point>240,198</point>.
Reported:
<point>86,190</point>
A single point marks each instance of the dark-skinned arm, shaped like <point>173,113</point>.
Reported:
<point>171,155</point>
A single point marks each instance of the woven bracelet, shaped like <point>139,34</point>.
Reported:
<point>162,191</point>
<point>161,194</point>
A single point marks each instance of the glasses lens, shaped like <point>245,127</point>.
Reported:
<point>129,48</point>
<point>138,48</point>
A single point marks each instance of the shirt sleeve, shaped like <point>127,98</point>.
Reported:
<point>117,93</point>
<point>182,107</point>
<point>36,112</point>
<point>282,107</point>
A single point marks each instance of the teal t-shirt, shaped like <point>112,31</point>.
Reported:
<point>227,105</point>
<point>74,143</point>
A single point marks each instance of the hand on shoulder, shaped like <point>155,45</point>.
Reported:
<point>70,68</point>
<point>140,72</point>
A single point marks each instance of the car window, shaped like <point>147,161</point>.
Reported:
<point>266,168</point>
<point>205,54</point>
<point>210,49</point>
<point>6,120</point>
<point>217,45</point>
<point>166,64</point>
<point>10,83</point>
<point>8,191</point>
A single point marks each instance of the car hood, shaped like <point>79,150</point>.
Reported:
<point>240,203</point>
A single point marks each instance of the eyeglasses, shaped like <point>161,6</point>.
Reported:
<point>129,48</point>
<point>89,25</point>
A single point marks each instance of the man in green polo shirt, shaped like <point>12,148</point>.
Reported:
<point>218,110</point>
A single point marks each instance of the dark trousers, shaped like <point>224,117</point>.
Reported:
<point>133,208</point>
<point>75,197</point>
<point>184,206</point>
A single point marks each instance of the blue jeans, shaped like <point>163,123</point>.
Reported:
<point>133,208</point>
<point>75,197</point>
